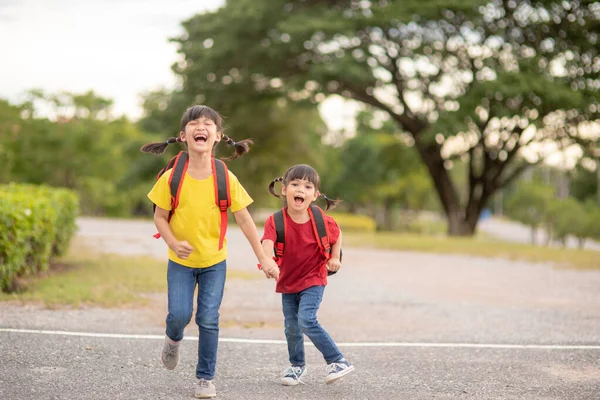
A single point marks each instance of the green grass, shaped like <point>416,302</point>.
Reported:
<point>483,246</point>
<point>87,278</point>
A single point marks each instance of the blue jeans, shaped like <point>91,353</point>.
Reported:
<point>300,313</point>
<point>181,284</point>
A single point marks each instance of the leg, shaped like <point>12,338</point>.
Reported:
<point>293,333</point>
<point>181,283</point>
<point>310,300</point>
<point>211,283</point>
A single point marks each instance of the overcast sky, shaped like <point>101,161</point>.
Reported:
<point>118,48</point>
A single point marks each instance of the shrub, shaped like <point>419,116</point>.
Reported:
<point>37,223</point>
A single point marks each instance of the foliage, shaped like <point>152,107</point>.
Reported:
<point>492,82</point>
<point>583,183</point>
<point>39,223</point>
<point>80,148</point>
<point>529,205</point>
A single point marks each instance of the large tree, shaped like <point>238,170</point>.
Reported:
<point>491,82</point>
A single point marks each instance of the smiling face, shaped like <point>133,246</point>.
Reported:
<point>201,128</point>
<point>299,194</point>
<point>201,134</point>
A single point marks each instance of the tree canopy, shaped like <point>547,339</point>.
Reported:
<point>493,83</point>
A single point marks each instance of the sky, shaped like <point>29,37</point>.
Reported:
<point>118,48</point>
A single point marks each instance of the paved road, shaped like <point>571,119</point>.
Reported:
<point>418,326</point>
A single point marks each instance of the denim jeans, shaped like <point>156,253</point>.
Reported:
<point>300,313</point>
<point>181,284</point>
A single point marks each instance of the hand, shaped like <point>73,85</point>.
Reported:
<point>182,249</point>
<point>270,268</point>
<point>333,264</point>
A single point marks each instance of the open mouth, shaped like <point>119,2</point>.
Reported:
<point>200,138</point>
<point>298,200</point>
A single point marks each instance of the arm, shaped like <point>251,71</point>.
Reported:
<point>248,227</point>
<point>161,219</point>
<point>334,264</point>
<point>267,246</point>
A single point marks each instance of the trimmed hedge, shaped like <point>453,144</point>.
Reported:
<point>37,222</point>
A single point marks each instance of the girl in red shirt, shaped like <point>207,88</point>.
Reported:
<point>303,272</point>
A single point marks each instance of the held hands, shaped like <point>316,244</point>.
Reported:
<point>333,264</point>
<point>182,249</point>
<point>270,268</point>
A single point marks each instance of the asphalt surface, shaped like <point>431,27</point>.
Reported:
<point>416,326</point>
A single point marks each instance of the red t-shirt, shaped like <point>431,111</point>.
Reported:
<point>303,264</point>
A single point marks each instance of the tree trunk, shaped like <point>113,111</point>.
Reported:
<point>461,222</point>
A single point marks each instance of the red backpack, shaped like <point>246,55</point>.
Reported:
<point>179,164</point>
<point>317,219</point>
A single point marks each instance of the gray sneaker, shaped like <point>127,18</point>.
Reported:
<point>205,389</point>
<point>292,375</point>
<point>337,370</point>
<point>170,354</point>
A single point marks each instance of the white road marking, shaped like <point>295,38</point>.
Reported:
<point>351,344</point>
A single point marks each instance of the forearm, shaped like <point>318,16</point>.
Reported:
<point>267,247</point>
<point>337,247</point>
<point>163,227</point>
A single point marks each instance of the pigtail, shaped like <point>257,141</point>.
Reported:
<point>331,203</point>
<point>241,147</point>
<point>272,187</point>
<point>158,148</point>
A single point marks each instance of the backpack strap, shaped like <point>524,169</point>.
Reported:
<point>279,220</point>
<point>179,164</point>
<point>176,179</point>
<point>222,195</point>
<point>320,228</point>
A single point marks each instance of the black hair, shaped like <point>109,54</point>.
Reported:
<point>306,172</point>
<point>191,114</point>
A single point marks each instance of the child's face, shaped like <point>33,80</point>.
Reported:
<point>299,194</point>
<point>201,135</point>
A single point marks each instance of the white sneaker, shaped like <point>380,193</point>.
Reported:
<point>337,370</point>
<point>205,389</point>
<point>292,375</point>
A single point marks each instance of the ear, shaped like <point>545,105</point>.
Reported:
<point>317,194</point>
<point>182,136</point>
<point>219,136</point>
<point>283,190</point>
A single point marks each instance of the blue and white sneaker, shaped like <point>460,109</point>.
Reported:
<point>337,370</point>
<point>292,375</point>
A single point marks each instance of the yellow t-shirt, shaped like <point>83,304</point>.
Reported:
<point>197,218</point>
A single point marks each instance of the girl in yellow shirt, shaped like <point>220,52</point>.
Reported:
<point>192,235</point>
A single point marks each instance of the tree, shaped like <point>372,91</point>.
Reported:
<point>81,148</point>
<point>529,205</point>
<point>379,173</point>
<point>490,82</point>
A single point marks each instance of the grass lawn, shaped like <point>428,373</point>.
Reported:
<point>479,246</point>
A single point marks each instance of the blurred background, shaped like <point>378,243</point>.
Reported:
<point>425,117</point>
